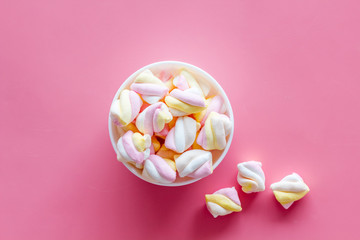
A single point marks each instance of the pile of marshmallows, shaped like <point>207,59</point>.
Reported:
<point>252,179</point>
<point>171,126</point>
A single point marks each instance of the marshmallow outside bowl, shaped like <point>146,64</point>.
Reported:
<point>173,67</point>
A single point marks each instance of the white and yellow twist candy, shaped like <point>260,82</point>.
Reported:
<point>290,189</point>
<point>251,177</point>
<point>151,88</point>
<point>223,202</point>
<point>125,109</point>
<point>214,132</point>
<point>182,136</point>
<point>134,148</point>
<point>153,118</point>
<point>194,163</point>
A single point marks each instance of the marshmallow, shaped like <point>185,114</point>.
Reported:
<point>251,177</point>
<point>151,88</point>
<point>182,136</point>
<point>164,152</point>
<point>125,109</point>
<point>290,189</point>
<point>213,134</point>
<point>185,102</point>
<point>172,122</point>
<point>167,78</point>
<point>134,148</point>
<point>163,133</point>
<point>214,104</point>
<point>186,80</point>
<point>160,170</point>
<point>153,118</point>
<point>196,145</point>
<point>131,126</point>
<point>180,82</point>
<point>194,163</point>
<point>155,143</point>
<point>223,202</point>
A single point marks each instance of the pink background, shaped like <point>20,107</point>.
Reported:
<point>290,69</point>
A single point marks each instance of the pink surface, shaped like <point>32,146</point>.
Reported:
<point>290,69</point>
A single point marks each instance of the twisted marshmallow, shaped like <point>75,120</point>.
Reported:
<point>186,80</point>
<point>182,136</point>
<point>194,163</point>
<point>155,144</point>
<point>223,202</point>
<point>151,88</point>
<point>166,77</point>
<point>160,170</point>
<point>251,177</point>
<point>290,189</point>
<point>153,118</point>
<point>185,102</point>
<point>213,134</point>
<point>164,152</point>
<point>125,109</point>
<point>214,104</point>
<point>134,148</point>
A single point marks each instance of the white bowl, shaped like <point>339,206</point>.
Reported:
<point>201,75</point>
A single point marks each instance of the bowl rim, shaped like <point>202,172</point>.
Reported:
<point>213,82</point>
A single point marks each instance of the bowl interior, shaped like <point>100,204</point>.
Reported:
<point>174,67</point>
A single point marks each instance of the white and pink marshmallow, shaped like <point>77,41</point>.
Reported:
<point>134,148</point>
<point>160,170</point>
<point>186,80</point>
<point>182,136</point>
<point>153,118</point>
<point>194,163</point>
<point>185,102</point>
<point>151,88</point>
